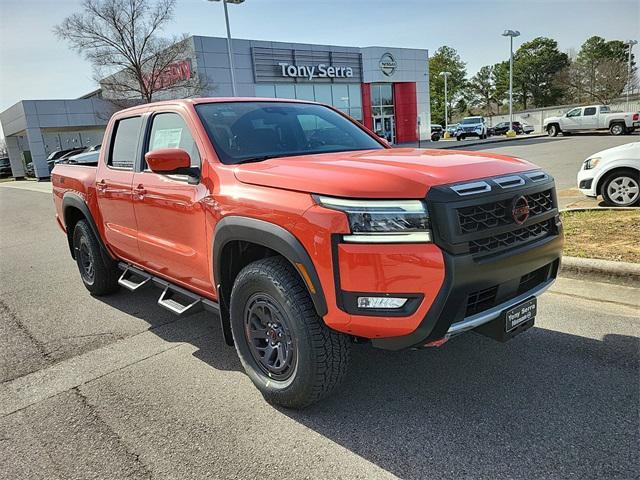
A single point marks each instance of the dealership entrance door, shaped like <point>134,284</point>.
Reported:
<point>385,126</point>
<point>383,111</point>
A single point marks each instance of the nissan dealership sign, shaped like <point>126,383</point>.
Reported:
<point>387,64</point>
<point>315,71</point>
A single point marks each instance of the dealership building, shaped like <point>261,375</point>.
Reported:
<point>385,88</point>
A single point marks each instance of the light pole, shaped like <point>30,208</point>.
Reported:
<point>630,43</point>
<point>229,50</point>
<point>511,34</point>
<point>446,105</point>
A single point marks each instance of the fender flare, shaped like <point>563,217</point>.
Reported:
<point>233,228</point>
<point>73,200</point>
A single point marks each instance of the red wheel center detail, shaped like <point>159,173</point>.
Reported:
<point>520,210</point>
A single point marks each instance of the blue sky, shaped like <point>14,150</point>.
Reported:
<point>35,65</point>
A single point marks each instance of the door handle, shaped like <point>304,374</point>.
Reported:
<point>101,186</point>
<point>140,191</point>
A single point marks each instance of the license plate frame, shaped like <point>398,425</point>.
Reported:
<point>521,313</point>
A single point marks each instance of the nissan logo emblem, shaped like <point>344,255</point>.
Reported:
<point>520,210</point>
<point>387,64</point>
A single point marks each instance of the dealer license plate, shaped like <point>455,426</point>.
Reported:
<point>520,314</point>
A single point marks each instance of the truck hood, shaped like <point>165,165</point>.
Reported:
<point>388,173</point>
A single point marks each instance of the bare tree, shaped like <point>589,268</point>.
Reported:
<point>602,84</point>
<point>4,152</point>
<point>131,60</point>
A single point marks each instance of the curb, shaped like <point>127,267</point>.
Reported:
<point>600,209</point>
<point>624,273</point>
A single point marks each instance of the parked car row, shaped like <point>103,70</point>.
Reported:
<point>86,155</point>
<point>476,127</point>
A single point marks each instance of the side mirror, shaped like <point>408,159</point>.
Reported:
<point>168,160</point>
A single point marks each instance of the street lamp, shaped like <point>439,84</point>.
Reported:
<point>630,43</point>
<point>511,34</point>
<point>446,106</point>
<point>229,52</point>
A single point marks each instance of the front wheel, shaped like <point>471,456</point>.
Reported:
<point>287,351</point>
<point>622,188</point>
<point>99,276</point>
<point>617,129</point>
<point>553,130</point>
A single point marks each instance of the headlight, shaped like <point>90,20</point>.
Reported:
<point>592,162</point>
<point>382,221</point>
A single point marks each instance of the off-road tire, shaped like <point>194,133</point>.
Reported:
<point>321,355</point>
<point>553,130</point>
<point>634,175</point>
<point>104,277</point>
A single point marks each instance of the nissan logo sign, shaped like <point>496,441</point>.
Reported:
<point>388,64</point>
<point>520,210</point>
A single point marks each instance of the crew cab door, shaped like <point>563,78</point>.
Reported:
<point>572,120</point>
<point>590,118</point>
<point>113,187</point>
<point>168,208</point>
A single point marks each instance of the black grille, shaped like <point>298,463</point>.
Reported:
<point>533,279</point>
<point>481,300</point>
<point>488,298</point>
<point>513,238</point>
<point>540,202</point>
<point>477,218</point>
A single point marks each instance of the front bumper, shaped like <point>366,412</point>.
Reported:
<point>448,315</point>
<point>586,183</point>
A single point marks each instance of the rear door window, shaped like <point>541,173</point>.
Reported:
<point>589,111</point>
<point>125,143</point>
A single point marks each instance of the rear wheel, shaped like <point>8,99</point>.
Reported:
<point>553,130</point>
<point>622,188</point>
<point>617,129</point>
<point>100,277</point>
<point>288,352</point>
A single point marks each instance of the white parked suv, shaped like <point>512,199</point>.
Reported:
<point>471,127</point>
<point>592,117</point>
<point>613,173</point>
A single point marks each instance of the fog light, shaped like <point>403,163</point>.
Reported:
<point>381,302</point>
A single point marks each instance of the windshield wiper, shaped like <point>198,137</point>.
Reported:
<point>260,158</point>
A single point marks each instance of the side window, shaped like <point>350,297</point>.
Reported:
<point>575,112</point>
<point>605,109</point>
<point>589,111</point>
<point>124,146</point>
<point>169,130</point>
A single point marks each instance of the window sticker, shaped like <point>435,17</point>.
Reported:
<point>166,138</point>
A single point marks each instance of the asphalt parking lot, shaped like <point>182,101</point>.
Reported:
<point>117,387</point>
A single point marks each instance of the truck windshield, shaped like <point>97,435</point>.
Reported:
<point>255,131</point>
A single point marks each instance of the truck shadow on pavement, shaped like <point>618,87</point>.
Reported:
<point>545,405</point>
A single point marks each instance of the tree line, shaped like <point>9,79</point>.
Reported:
<point>542,76</point>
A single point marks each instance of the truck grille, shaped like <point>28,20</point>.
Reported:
<point>491,215</point>
<point>512,238</point>
<point>477,218</point>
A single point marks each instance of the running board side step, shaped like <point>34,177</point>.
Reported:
<point>173,298</point>
<point>130,275</point>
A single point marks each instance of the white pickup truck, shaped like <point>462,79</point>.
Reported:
<point>592,117</point>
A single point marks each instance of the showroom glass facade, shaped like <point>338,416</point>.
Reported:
<point>345,97</point>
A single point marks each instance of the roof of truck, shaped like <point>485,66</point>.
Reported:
<point>197,101</point>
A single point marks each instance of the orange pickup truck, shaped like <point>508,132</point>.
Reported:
<point>306,233</point>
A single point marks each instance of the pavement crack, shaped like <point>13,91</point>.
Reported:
<point>4,308</point>
<point>94,411</point>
